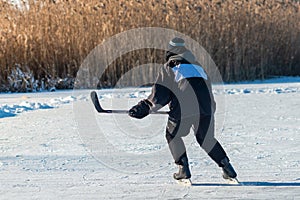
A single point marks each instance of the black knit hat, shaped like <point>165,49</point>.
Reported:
<point>176,46</point>
<point>176,42</point>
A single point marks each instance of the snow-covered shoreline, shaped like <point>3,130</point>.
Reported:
<point>16,103</point>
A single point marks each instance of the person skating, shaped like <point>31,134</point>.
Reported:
<point>184,85</point>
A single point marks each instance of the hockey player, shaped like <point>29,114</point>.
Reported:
<point>184,85</point>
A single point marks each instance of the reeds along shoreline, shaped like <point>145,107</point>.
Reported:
<point>246,39</point>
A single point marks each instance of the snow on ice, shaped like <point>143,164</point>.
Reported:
<point>45,156</point>
<point>23,106</point>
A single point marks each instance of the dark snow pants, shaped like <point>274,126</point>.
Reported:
<point>203,127</point>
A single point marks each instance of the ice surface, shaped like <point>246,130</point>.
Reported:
<point>45,155</point>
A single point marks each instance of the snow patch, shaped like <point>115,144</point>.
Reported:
<point>280,79</point>
<point>13,110</point>
<point>4,113</point>
<point>59,101</point>
<point>273,90</point>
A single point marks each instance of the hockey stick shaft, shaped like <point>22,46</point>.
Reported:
<point>98,107</point>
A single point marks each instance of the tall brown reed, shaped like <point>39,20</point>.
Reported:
<point>247,39</point>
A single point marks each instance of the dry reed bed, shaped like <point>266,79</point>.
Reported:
<point>247,39</point>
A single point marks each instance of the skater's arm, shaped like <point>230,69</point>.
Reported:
<point>159,97</point>
<point>161,90</point>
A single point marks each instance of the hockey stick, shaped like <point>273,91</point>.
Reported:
<point>99,108</point>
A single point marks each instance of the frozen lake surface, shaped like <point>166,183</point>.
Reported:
<point>54,145</point>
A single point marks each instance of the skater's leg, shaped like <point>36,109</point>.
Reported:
<point>204,131</point>
<point>177,148</point>
<point>174,132</point>
<point>205,137</point>
<point>178,152</point>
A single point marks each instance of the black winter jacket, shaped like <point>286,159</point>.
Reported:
<point>184,85</point>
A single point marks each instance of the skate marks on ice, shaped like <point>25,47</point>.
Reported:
<point>188,183</point>
<point>252,184</point>
<point>184,182</point>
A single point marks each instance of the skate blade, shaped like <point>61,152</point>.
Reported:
<point>184,182</point>
<point>233,181</point>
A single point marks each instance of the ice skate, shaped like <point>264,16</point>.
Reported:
<point>228,172</point>
<point>183,175</point>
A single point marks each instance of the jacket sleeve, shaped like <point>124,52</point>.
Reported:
<point>161,91</point>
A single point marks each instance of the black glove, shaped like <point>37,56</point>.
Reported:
<point>141,110</point>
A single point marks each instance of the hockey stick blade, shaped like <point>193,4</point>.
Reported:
<point>99,108</point>
<point>96,103</point>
